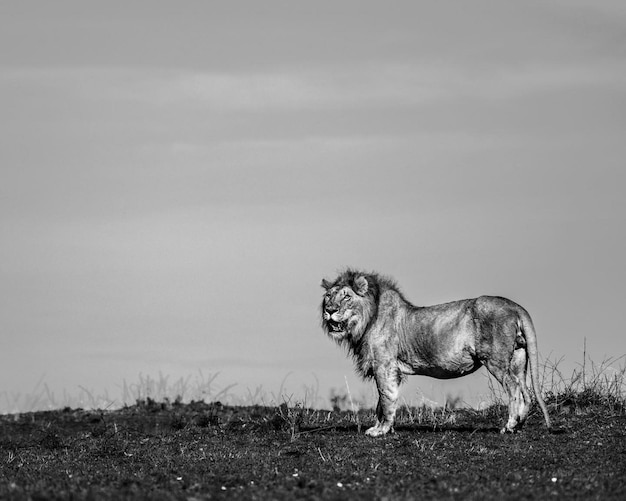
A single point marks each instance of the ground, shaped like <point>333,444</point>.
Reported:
<point>208,451</point>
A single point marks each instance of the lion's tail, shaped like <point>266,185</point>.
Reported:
<point>528,331</point>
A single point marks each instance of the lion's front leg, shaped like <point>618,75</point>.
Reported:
<point>388,385</point>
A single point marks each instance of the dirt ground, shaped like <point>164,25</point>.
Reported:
<point>209,451</point>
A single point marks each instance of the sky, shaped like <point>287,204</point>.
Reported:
<point>178,177</point>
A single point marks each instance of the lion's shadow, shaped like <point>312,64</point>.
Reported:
<point>420,428</point>
<point>408,428</point>
<point>446,428</point>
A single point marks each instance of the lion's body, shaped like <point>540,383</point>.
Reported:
<point>390,338</point>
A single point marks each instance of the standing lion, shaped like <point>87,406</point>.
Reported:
<point>389,338</point>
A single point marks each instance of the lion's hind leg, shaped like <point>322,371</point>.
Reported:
<point>519,397</point>
<point>511,374</point>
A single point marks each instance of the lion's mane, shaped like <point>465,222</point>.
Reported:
<point>357,341</point>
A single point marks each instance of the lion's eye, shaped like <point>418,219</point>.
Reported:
<point>345,298</point>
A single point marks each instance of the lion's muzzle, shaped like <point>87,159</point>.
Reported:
<point>333,324</point>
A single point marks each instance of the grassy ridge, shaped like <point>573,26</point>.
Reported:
<point>170,450</point>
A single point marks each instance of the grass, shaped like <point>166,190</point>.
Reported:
<point>171,448</point>
<point>197,387</point>
<point>591,384</point>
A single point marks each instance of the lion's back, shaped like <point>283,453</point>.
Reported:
<point>496,306</point>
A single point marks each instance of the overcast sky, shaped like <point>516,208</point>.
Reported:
<point>178,177</point>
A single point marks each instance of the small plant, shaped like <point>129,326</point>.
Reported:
<point>292,417</point>
<point>210,418</point>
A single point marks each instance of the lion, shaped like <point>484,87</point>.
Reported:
<point>390,338</point>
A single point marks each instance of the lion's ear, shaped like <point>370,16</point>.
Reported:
<point>361,285</point>
<point>326,284</point>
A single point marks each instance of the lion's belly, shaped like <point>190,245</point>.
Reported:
<point>446,368</point>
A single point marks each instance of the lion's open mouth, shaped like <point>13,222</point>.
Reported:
<point>335,326</point>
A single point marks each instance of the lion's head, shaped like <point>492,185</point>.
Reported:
<point>348,305</point>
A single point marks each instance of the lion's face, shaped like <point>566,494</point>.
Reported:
<point>338,310</point>
<point>344,308</point>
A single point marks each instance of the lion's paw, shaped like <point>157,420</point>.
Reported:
<point>374,431</point>
<point>378,431</point>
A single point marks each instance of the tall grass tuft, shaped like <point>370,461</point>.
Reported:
<point>591,385</point>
